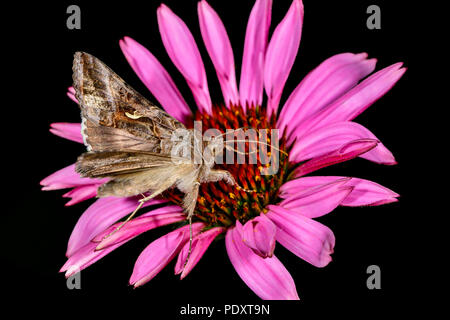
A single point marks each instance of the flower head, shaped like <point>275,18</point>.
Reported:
<point>316,131</point>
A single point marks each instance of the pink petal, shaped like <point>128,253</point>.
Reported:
<point>330,80</point>
<point>281,54</point>
<point>71,94</point>
<point>259,235</point>
<point>70,131</point>
<point>364,192</point>
<point>302,184</point>
<point>252,71</point>
<point>99,216</point>
<point>355,101</point>
<point>349,151</point>
<point>329,138</point>
<point>159,253</point>
<point>199,245</point>
<point>150,220</point>
<point>368,193</point>
<point>84,257</point>
<point>182,50</point>
<point>156,78</point>
<point>318,200</point>
<point>67,178</point>
<point>219,48</point>
<point>81,193</point>
<point>304,237</point>
<point>268,278</point>
<point>88,254</point>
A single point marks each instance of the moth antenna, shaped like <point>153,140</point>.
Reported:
<point>238,151</point>
<point>264,143</point>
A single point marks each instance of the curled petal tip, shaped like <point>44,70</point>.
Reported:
<point>372,61</point>
<point>392,162</point>
<point>362,55</point>
<point>159,253</point>
<point>71,271</point>
<point>162,6</point>
<point>199,245</point>
<point>363,144</point>
<point>259,235</point>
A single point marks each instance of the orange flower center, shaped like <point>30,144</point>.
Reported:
<point>220,204</point>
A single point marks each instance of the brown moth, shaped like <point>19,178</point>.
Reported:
<point>130,140</point>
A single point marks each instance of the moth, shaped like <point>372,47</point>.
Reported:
<point>130,141</point>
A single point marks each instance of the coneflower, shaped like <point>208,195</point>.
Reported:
<point>316,130</point>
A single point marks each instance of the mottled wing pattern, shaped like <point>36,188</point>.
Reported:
<point>114,163</point>
<point>132,172</point>
<point>154,179</point>
<point>128,138</point>
<point>115,116</point>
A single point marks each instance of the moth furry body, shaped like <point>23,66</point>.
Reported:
<point>130,140</point>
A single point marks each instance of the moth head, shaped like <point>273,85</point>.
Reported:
<point>217,143</point>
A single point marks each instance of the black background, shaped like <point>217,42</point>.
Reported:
<point>36,225</point>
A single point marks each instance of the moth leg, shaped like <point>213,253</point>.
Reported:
<point>218,175</point>
<point>141,203</point>
<point>154,194</point>
<point>189,202</point>
<point>123,223</point>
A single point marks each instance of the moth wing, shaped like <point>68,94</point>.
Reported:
<point>132,172</point>
<point>116,163</point>
<point>114,115</point>
<point>156,179</point>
